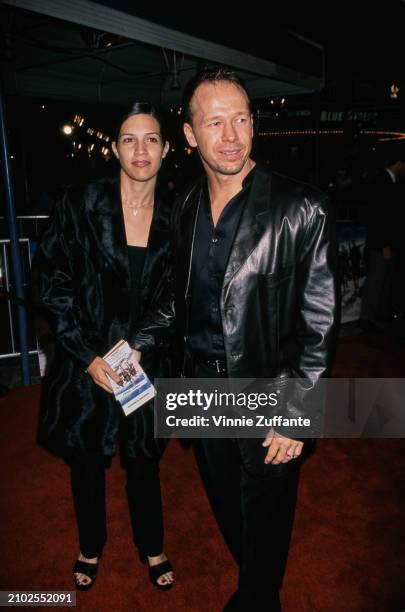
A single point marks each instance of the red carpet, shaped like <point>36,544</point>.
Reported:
<point>347,552</point>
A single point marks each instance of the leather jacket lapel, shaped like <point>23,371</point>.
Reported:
<point>187,228</point>
<point>251,228</point>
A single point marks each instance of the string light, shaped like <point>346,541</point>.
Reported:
<point>384,135</point>
<point>78,121</point>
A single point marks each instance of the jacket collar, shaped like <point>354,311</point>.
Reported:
<point>250,230</point>
<point>107,225</point>
<point>108,228</point>
<point>105,197</point>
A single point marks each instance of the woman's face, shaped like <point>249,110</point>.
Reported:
<point>140,148</point>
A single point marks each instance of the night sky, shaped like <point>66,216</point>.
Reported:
<point>365,39</point>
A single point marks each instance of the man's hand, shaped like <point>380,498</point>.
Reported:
<point>137,355</point>
<point>281,449</point>
<point>98,370</point>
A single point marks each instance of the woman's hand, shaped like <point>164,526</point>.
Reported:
<point>98,370</point>
<point>137,355</point>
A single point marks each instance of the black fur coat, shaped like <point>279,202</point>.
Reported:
<point>84,287</point>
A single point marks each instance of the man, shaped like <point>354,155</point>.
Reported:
<point>383,293</point>
<point>254,295</point>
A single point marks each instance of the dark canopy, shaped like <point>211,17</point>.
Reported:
<point>104,51</point>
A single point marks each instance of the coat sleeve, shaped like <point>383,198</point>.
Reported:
<point>56,284</point>
<point>319,309</point>
<point>317,322</point>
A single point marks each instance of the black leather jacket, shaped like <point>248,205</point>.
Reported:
<point>279,301</point>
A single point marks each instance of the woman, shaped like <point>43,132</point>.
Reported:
<point>102,264</point>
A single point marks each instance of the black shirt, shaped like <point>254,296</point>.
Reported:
<point>212,246</point>
<point>136,256</point>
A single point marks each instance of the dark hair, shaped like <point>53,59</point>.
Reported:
<point>210,74</point>
<point>143,108</point>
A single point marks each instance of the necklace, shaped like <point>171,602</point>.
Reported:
<point>136,208</point>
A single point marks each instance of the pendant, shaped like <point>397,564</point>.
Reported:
<point>135,211</point>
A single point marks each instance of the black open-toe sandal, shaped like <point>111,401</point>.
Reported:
<point>156,571</point>
<point>89,570</point>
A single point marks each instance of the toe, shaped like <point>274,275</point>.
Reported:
<point>82,579</point>
<point>169,577</point>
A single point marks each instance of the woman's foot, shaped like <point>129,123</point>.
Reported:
<point>166,578</point>
<point>85,580</point>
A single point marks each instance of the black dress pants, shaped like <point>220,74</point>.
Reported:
<point>144,500</point>
<point>254,505</point>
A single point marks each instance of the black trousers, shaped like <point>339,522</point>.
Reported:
<point>144,500</point>
<point>254,505</point>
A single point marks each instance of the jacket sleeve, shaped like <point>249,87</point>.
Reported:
<point>317,322</point>
<point>56,284</point>
<point>319,309</point>
<point>158,322</point>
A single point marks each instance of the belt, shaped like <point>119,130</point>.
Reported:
<point>219,365</point>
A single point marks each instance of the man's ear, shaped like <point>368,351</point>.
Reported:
<point>189,134</point>
<point>115,150</point>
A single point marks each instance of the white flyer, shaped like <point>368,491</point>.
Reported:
<point>134,388</point>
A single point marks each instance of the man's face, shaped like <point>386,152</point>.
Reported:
<point>221,127</point>
<point>140,148</point>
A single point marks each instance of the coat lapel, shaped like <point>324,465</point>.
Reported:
<point>108,229</point>
<point>157,243</point>
<point>252,224</point>
<point>186,230</point>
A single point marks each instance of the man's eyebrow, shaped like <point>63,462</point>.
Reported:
<point>220,115</point>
